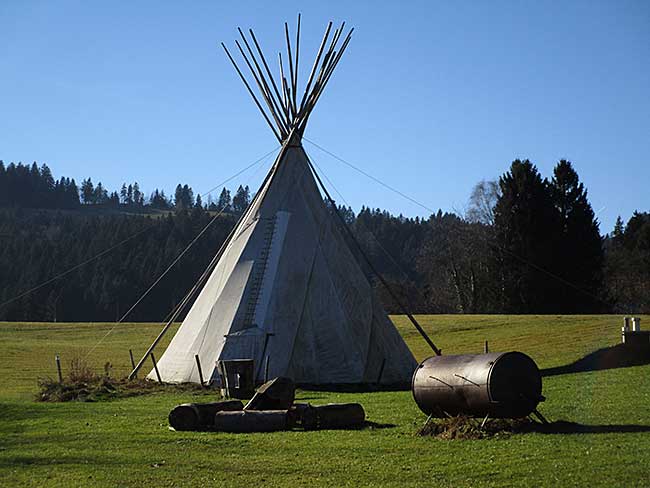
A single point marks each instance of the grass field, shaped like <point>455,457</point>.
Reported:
<point>126,442</point>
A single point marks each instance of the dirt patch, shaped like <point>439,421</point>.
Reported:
<point>463,427</point>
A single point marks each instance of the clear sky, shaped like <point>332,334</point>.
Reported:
<point>431,97</point>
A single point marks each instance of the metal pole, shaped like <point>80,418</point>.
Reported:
<point>485,348</point>
<point>198,365</point>
<point>155,367</point>
<point>57,359</point>
<point>266,369</point>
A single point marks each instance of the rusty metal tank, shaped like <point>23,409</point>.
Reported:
<point>501,385</point>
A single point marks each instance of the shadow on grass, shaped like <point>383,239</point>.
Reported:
<point>564,427</point>
<point>376,425</point>
<point>619,356</point>
<point>354,387</point>
<point>13,461</point>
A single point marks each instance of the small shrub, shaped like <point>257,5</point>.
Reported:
<point>82,384</point>
<point>80,371</point>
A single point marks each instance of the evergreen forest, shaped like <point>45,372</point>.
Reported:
<point>527,243</point>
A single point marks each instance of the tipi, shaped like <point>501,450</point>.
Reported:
<point>285,285</point>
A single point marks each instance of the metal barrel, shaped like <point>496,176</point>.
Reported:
<point>501,385</point>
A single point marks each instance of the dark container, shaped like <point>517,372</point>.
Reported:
<point>198,416</point>
<point>501,385</point>
<point>237,378</point>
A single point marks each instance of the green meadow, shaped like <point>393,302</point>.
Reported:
<point>126,442</point>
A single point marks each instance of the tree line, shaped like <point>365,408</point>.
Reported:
<point>525,244</point>
<point>33,186</point>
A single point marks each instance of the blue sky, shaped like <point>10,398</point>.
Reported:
<point>431,97</point>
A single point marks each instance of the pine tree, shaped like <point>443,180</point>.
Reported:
<point>224,202</point>
<point>124,194</point>
<point>87,191</point>
<point>73,194</point>
<point>100,194</point>
<point>528,230</point>
<point>187,196</point>
<point>4,197</point>
<point>617,233</point>
<point>138,198</point>
<point>114,200</point>
<point>178,197</point>
<point>129,194</point>
<point>241,200</point>
<point>581,260</point>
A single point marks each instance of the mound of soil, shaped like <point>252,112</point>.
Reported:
<point>463,427</point>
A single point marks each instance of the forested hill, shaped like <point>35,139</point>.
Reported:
<point>526,245</point>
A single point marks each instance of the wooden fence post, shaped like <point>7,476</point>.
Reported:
<point>132,360</point>
<point>58,367</point>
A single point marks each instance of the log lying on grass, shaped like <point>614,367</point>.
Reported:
<point>339,416</point>
<point>252,421</point>
<point>303,415</point>
<point>199,416</point>
<point>330,416</point>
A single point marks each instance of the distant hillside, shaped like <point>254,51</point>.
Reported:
<point>87,254</point>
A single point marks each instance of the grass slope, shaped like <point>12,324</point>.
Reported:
<point>126,442</point>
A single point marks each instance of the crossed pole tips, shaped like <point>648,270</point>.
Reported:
<point>279,104</point>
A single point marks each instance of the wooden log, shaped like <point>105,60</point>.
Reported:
<point>252,421</point>
<point>199,416</point>
<point>339,416</point>
<point>277,394</point>
<point>303,415</point>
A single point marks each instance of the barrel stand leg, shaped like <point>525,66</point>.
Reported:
<point>540,417</point>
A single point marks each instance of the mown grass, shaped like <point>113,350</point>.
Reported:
<point>126,442</point>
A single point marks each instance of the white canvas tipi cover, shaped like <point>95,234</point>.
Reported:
<point>288,287</point>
